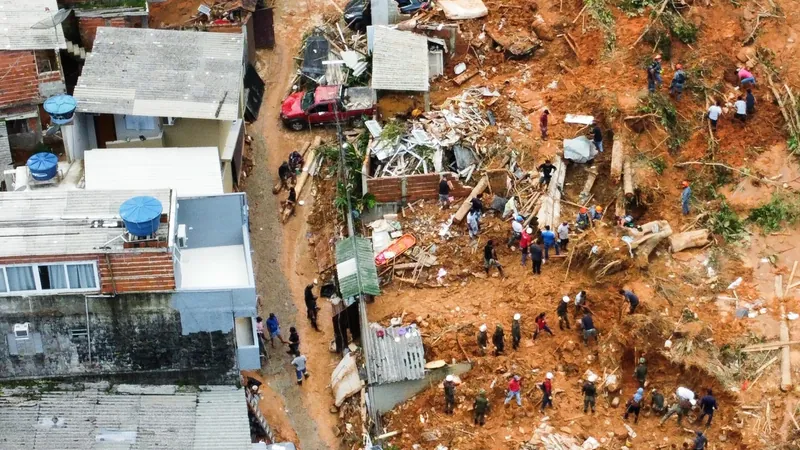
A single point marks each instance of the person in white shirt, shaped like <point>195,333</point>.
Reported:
<point>563,235</point>
<point>516,230</point>
<point>299,363</point>
<point>741,109</point>
<point>713,115</point>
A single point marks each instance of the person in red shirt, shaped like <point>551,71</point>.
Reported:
<point>541,325</point>
<point>525,243</point>
<point>547,391</point>
<point>514,388</point>
<point>543,123</point>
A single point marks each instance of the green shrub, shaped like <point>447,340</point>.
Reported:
<point>773,215</point>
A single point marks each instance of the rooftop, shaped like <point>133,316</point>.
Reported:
<point>157,417</point>
<point>60,222</point>
<point>190,171</point>
<point>5,149</point>
<point>16,19</point>
<point>399,61</point>
<point>396,354</point>
<point>162,73</point>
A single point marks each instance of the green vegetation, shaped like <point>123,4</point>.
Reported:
<point>601,12</point>
<point>780,210</point>
<point>658,164</point>
<point>660,40</point>
<point>684,31</point>
<point>392,130</point>
<point>726,223</point>
<point>661,105</point>
<point>794,145</point>
<point>350,187</point>
<point>636,7</point>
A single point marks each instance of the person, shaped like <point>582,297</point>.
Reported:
<point>589,391</point>
<point>708,404</point>
<point>549,240</point>
<point>634,405</point>
<point>296,161</point>
<point>480,407</point>
<point>546,170</point>
<point>561,310</point>
<point>483,340</point>
<point>499,340</point>
<point>597,213</point>
<point>514,388</point>
<point>700,440</point>
<point>681,408</point>
<point>686,196</point>
<point>285,173</point>
<point>582,221</point>
<point>490,258</point>
<point>444,192</point>
<point>543,123</point>
<point>657,402</point>
<point>291,200</point>
<point>597,136</point>
<point>473,226</point>
<point>751,102</point>
<point>274,330</point>
<point>741,109</point>
<point>299,363</point>
<point>294,342</point>
<point>714,111</point>
<point>541,325</point>
<point>563,235</point>
<point>547,391</point>
<point>516,230</point>
<point>516,331</point>
<point>580,303</point>
<point>641,372</point>
<point>631,298</point>
<point>678,80</point>
<point>536,257</point>
<point>311,304</point>
<point>745,77</point>
<point>449,394</point>
<point>476,204</point>
<point>525,243</point>
<point>588,328</point>
<point>654,74</point>
<point>260,334</point>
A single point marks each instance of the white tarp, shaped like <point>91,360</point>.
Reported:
<point>463,9</point>
<point>580,149</point>
<point>344,380</point>
<point>579,119</point>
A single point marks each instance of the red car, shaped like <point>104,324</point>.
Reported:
<point>327,105</point>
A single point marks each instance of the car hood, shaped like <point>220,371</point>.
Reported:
<point>292,105</point>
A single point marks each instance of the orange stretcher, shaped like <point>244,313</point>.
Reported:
<point>395,249</point>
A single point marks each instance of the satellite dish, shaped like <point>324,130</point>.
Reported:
<point>52,21</point>
<point>52,130</point>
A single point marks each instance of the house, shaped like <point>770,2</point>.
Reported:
<point>161,88</point>
<point>30,68</point>
<point>126,284</point>
<point>121,17</point>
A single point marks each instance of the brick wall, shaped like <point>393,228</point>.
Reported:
<point>132,271</point>
<point>390,189</point>
<point>20,83</point>
<point>87,26</point>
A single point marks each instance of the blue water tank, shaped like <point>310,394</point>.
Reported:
<point>43,166</point>
<point>141,215</point>
<point>61,108</point>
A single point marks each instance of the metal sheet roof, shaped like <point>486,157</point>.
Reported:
<point>397,355</point>
<point>5,149</point>
<point>162,73</point>
<point>399,61</point>
<point>96,419</point>
<point>190,171</point>
<point>356,275</point>
<point>16,19</point>
<point>58,222</point>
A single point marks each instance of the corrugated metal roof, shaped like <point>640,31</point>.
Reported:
<point>189,171</point>
<point>356,277</point>
<point>162,73</point>
<point>57,222</point>
<point>95,419</point>
<point>397,355</point>
<point>16,19</point>
<point>5,149</point>
<point>399,61</point>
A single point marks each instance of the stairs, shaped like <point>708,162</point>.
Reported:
<point>76,50</point>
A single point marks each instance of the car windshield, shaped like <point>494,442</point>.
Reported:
<point>308,100</point>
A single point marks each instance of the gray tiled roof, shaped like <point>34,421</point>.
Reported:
<point>399,61</point>
<point>16,19</point>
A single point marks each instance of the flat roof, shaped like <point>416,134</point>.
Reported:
<point>399,61</point>
<point>59,222</point>
<point>162,73</point>
<point>214,267</point>
<point>189,171</point>
<point>215,418</point>
<point>16,19</point>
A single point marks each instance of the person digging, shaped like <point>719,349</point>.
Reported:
<point>449,394</point>
<point>499,340</point>
<point>563,315</point>
<point>634,405</point>
<point>483,340</point>
<point>589,392</point>
<point>516,331</point>
<point>480,408</point>
<point>641,372</point>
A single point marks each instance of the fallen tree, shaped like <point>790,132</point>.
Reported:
<point>464,208</point>
<point>617,157</point>
<point>689,239</point>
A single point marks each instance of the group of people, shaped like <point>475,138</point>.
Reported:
<point>287,176</point>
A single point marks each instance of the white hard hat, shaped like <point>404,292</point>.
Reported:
<point>482,327</point>
<point>316,281</point>
<point>592,378</point>
<point>549,376</point>
<point>448,378</point>
<point>517,316</point>
<point>565,299</point>
<point>693,402</point>
<point>529,230</point>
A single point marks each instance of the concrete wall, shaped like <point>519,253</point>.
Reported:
<point>127,334</point>
<point>76,137</point>
<point>150,142</point>
<point>412,187</point>
<point>124,134</point>
<point>192,133</point>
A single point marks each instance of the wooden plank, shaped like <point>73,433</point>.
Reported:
<point>627,178</point>
<point>617,158</point>
<point>786,354</point>
<point>479,188</point>
<point>767,346</point>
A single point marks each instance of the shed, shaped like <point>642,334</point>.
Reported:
<point>395,354</point>
<point>399,61</point>
<point>355,267</point>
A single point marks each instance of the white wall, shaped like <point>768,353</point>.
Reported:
<point>123,133</point>
<point>76,136</point>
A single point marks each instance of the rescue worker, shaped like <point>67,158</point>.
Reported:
<point>490,258</point>
<point>750,102</point>
<point>745,76</point>
<point>708,404</point>
<point>480,407</point>
<point>516,332</point>
<point>549,240</point>
<point>541,325</point>
<point>499,340</point>
<point>597,136</point>
<point>588,328</point>
<point>543,124</point>
<point>589,391</point>
<point>634,405</point>
<point>580,303</point>
<point>700,440</point>
<point>311,304</point>
<point>285,173</point>
<point>514,388</point>
<point>597,213</point>
<point>296,161</point>
<point>516,230</point>
<point>681,408</point>
<point>546,170</point>
<point>678,80</point>
<point>483,340</point>
<point>657,402</point>
<point>449,394</point>
<point>714,111</point>
<point>476,204</point>
<point>294,342</point>
<point>561,310</point>
<point>291,200</point>
<point>654,74</point>
<point>444,192</point>
<point>537,254</point>
<point>547,391</point>
<point>582,221</point>
<point>563,235</point>
<point>631,298</point>
<point>525,243</point>
<point>641,372</point>
<point>473,225</point>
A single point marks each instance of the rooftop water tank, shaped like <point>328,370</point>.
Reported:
<point>43,166</point>
<point>61,108</point>
<point>141,215</point>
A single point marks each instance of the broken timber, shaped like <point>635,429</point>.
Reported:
<point>587,187</point>
<point>479,188</point>
<point>627,178</point>
<point>617,157</point>
<point>689,239</point>
<point>786,354</point>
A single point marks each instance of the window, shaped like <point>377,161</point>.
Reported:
<point>46,61</point>
<point>323,108</point>
<point>17,126</point>
<point>48,277</point>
